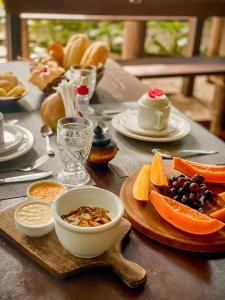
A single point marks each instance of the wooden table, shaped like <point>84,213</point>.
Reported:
<point>172,274</point>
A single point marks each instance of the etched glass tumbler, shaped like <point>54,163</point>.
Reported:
<point>74,139</point>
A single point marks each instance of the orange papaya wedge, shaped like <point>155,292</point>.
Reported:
<point>141,188</point>
<point>207,166</point>
<point>188,169</point>
<point>183,217</point>
<point>158,173</point>
<point>219,215</point>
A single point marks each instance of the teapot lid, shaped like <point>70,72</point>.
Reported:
<point>100,138</point>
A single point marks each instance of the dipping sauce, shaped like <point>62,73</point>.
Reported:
<point>46,191</point>
<point>34,214</point>
<point>85,216</point>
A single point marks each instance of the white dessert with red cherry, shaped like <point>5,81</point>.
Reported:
<point>153,110</point>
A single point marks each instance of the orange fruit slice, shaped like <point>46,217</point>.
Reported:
<point>188,169</point>
<point>183,217</point>
<point>219,215</point>
<point>222,196</point>
<point>158,173</point>
<point>141,188</point>
<point>206,166</point>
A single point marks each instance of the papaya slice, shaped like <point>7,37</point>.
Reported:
<point>222,196</point>
<point>141,188</point>
<point>206,166</point>
<point>219,215</point>
<point>186,168</point>
<point>183,217</point>
<point>158,173</point>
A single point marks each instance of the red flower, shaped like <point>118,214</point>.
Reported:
<point>155,92</point>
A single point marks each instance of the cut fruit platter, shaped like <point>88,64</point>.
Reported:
<point>181,205</point>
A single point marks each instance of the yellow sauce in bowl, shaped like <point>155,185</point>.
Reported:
<point>34,214</point>
<point>46,191</point>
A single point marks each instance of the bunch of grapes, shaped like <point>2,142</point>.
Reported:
<point>191,191</point>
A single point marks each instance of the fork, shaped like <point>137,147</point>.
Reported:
<point>35,164</point>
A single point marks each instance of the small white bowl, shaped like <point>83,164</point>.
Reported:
<point>33,231</point>
<point>43,181</point>
<point>87,241</point>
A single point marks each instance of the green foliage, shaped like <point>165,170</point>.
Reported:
<point>44,32</point>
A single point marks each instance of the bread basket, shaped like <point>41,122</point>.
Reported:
<point>51,86</point>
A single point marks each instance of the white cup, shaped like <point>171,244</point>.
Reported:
<point>153,113</point>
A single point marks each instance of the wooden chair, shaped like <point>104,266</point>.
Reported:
<point>132,11</point>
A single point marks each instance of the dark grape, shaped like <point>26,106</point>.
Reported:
<point>173,178</point>
<point>185,199</point>
<point>190,191</point>
<point>177,197</point>
<point>186,185</point>
<point>198,178</point>
<point>208,194</point>
<point>180,191</point>
<point>172,192</point>
<point>181,181</point>
<point>175,184</point>
<point>194,187</point>
<point>200,209</point>
<point>193,197</point>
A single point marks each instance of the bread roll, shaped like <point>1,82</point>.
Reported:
<point>95,55</point>
<point>74,50</point>
<point>52,109</point>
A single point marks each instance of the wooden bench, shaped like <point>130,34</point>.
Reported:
<point>174,66</point>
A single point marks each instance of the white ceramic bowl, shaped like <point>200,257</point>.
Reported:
<point>33,231</point>
<point>43,181</point>
<point>87,241</point>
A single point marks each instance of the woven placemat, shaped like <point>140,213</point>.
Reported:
<point>33,123</point>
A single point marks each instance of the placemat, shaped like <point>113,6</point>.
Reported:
<point>33,123</point>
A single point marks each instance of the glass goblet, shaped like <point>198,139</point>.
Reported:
<point>74,139</point>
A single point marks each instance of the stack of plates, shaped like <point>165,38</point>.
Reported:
<point>17,141</point>
<point>126,124</point>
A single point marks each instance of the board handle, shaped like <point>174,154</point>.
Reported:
<point>131,274</point>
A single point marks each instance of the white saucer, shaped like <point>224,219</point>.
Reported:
<point>25,145</point>
<point>183,128</point>
<point>130,122</point>
<point>12,138</point>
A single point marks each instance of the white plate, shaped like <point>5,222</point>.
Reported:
<point>183,129</point>
<point>12,138</point>
<point>130,122</point>
<point>25,145</point>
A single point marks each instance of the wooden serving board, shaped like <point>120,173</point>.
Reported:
<point>48,252</point>
<point>146,220</point>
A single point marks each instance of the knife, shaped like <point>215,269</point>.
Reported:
<point>26,177</point>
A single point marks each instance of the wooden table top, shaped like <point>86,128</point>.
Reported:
<point>172,274</point>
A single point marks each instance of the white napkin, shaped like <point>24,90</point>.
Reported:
<point>66,90</point>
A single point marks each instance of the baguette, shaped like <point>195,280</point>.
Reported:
<point>95,55</point>
<point>74,50</point>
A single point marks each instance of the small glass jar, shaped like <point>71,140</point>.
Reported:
<point>103,148</point>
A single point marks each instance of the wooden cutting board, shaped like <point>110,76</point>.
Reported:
<point>146,220</point>
<point>50,254</point>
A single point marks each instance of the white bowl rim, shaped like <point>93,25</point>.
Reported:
<point>80,229</point>
<point>36,226</point>
<point>30,198</point>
